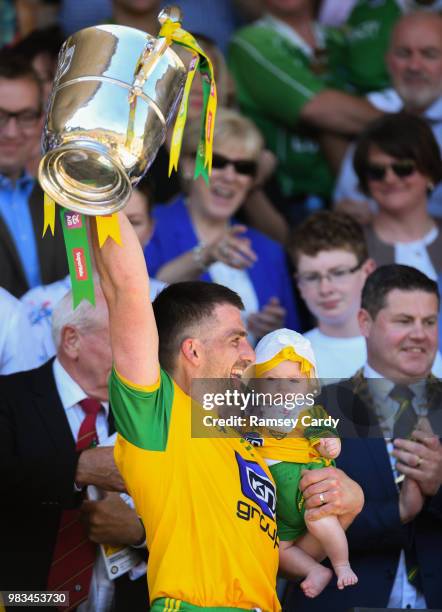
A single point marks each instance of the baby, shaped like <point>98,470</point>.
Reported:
<point>285,366</point>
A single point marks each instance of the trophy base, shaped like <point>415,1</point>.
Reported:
<point>83,177</point>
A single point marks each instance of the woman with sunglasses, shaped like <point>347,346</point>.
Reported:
<point>197,237</point>
<point>398,163</point>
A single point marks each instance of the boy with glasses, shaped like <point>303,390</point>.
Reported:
<point>331,264</point>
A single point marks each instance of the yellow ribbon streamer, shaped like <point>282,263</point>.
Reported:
<point>108,227</point>
<point>178,130</point>
<point>49,214</point>
<point>173,32</point>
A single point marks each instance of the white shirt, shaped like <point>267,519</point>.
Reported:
<point>389,101</point>
<point>403,594</point>
<point>102,589</point>
<point>337,358</point>
<point>238,281</point>
<point>18,351</point>
<point>40,302</point>
<point>415,254</point>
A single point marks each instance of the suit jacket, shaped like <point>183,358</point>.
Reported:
<point>377,535</point>
<point>38,462</point>
<point>50,249</point>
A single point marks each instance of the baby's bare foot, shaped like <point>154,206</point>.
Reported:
<point>345,575</point>
<point>316,580</point>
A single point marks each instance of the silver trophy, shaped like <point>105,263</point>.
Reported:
<point>115,93</point>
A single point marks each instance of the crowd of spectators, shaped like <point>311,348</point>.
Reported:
<point>327,176</point>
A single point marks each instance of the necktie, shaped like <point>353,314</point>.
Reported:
<point>405,418</point>
<point>74,554</point>
<point>404,423</point>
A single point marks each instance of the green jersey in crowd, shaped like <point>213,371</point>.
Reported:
<point>367,32</point>
<point>276,74</point>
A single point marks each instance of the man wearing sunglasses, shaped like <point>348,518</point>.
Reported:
<point>27,259</point>
<point>414,61</point>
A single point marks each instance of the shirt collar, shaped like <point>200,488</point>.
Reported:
<point>434,112</point>
<point>381,387</point>
<point>24,180</point>
<point>69,391</point>
<point>289,33</point>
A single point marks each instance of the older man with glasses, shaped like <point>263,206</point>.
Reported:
<point>27,260</point>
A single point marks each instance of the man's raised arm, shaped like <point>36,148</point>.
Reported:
<point>125,284</point>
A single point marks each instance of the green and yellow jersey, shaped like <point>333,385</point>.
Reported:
<point>207,504</point>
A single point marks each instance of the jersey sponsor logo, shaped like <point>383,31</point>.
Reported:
<point>254,438</point>
<point>257,486</point>
<point>247,512</point>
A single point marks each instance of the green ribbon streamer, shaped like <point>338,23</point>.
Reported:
<point>200,168</point>
<point>79,259</point>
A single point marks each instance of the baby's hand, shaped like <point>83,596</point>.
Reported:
<point>329,447</point>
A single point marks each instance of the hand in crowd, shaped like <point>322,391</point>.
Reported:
<point>97,466</point>
<point>269,318</point>
<point>411,500</point>
<point>330,491</point>
<point>421,458</point>
<point>358,209</point>
<point>111,521</point>
<point>232,249</point>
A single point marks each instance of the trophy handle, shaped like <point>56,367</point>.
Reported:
<point>153,51</point>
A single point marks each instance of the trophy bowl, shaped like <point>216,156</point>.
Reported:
<point>104,122</point>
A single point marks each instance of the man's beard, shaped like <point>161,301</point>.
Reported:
<point>418,97</point>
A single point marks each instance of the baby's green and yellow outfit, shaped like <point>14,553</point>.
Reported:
<point>287,455</point>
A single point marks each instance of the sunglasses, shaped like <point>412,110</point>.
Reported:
<point>402,169</point>
<point>247,167</point>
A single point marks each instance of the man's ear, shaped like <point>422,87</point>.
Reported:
<point>70,341</point>
<point>191,349</point>
<point>365,322</point>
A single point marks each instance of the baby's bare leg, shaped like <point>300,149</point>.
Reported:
<point>296,562</point>
<point>330,534</point>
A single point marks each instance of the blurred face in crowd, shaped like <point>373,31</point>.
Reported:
<point>45,66</point>
<point>402,338</point>
<point>288,7</point>
<point>415,60</point>
<point>138,6</point>
<point>395,184</point>
<point>139,217</point>
<point>229,184</point>
<point>20,124</point>
<point>330,283</point>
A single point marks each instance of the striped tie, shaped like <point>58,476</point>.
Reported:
<point>74,554</point>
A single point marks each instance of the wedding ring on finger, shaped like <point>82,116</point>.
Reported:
<point>419,461</point>
<point>322,499</point>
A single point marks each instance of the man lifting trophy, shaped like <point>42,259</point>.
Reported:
<point>116,92</point>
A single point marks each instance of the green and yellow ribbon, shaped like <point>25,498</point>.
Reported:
<point>173,32</point>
